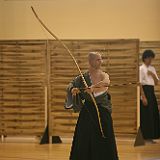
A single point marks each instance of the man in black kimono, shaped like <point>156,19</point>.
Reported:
<point>88,143</point>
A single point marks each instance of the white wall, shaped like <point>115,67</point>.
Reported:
<point>81,19</point>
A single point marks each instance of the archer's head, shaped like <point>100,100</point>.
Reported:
<point>95,60</point>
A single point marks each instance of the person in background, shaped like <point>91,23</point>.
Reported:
<point>149,114</point>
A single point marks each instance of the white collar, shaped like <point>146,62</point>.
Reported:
<point>146,65</point>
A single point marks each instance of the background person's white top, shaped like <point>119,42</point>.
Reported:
<point>146,79</point>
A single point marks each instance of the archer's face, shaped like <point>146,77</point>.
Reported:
<point>148,61</point>
<point>96,62</point>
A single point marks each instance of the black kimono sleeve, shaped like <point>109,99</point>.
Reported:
<point>74,102</point>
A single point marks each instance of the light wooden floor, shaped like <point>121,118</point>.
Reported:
<point>34,151</point>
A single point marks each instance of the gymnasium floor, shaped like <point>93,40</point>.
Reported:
<point>34,151</point>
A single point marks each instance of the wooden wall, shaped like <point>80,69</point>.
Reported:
<point>29,66</point>
<point>22,79</point>
<point>155,46</point>
<point>120,61</point>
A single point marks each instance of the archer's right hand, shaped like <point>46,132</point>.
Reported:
<point>75,91</point>
<point>144,100</point>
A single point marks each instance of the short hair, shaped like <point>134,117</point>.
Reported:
<point>148,54</point>
<point>92,55</point>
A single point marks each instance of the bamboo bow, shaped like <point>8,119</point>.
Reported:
<point>83,79</point>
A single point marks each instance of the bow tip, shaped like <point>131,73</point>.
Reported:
<point>32,8</point>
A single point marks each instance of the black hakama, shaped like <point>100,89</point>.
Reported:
<point>149,115</point>
<point>88,143</point>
